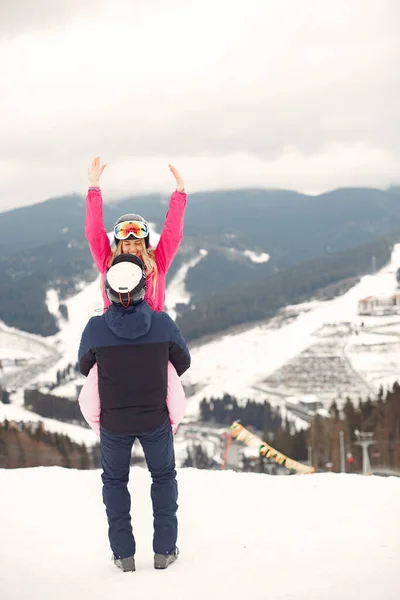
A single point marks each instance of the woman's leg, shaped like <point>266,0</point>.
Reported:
<point>89,400</point>
<point>115,460</point>
<point>176,399</point>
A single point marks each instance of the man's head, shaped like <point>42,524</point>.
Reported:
<point>125,281</point>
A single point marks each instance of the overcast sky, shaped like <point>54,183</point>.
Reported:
<point>300,94</point>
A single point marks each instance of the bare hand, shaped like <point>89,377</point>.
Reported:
<point>180,186</point>
<point>95,171</point>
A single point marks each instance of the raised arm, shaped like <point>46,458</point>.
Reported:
<point>95,231</point>
<point>172,233</point>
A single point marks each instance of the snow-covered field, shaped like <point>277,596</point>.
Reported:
<point>240,536</point>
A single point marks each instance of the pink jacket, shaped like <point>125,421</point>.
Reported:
<point>165,253</point>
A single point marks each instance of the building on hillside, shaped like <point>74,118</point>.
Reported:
<point>366,305</point>
<point>396,300</point>
<point>379,305</point>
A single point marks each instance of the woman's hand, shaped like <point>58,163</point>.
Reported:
<point>180,186</point>
<point>95,171</point>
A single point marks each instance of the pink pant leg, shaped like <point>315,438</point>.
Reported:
<point>176,399</point>
<point>89,400</point>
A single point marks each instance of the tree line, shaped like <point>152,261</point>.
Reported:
<point>379,416</point>
<point>225,410</point>
<point>54,407</point>
<point>259,417</point>
<point>30,445</point>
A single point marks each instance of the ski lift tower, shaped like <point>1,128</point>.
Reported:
<point>365,440</point>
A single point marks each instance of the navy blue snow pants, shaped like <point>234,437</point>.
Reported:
<point>116,452</point>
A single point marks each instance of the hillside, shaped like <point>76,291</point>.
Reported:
<point>317,348</point>
<point>261,297</point>
<point>246,538</point>
<point>233,230</point>
<point>318,352</point>
<point>258,216</point>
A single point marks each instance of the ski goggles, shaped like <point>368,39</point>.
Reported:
<point>139,229</point>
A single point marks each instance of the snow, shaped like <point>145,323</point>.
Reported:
<point>176,292</point>
<point>257,257</point>
<point>68,389</point>
<point>263,349</point>
<point>13,354</point>
<point>240,535</point>
<point>379,366</point>
<point>81,307</point>
<point>53,306</point>
<point>20,344</point>
<point>34,352</point>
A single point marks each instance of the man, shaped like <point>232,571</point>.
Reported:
<point>132,345</point>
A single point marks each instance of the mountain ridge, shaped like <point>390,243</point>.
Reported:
<point>43,245</point>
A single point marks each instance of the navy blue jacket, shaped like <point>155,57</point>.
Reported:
<point>132,347</point>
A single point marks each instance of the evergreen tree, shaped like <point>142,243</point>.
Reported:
<point>334,411</point>
<point>352,417</point>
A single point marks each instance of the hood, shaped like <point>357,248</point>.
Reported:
<point>129,323</point>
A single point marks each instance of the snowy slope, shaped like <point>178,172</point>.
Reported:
<point>176,292</point>
<point>80,435</point>
<point>240,536</point>
<point>238,363</point>
<point>257,257</point>
<point>34,354</point>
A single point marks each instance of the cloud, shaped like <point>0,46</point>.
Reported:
<point>18,17</point>
<point>268,92</point>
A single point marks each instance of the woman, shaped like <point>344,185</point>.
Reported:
<point>158,260</point>
<point>131,236</point>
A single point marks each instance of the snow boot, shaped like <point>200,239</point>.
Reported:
<point>162,561</point>
<point>125,564</point>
